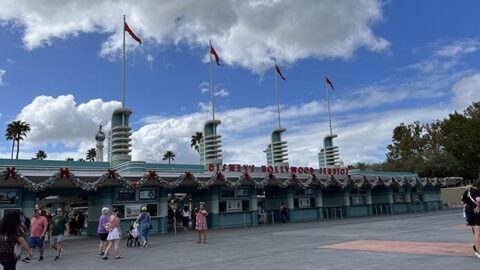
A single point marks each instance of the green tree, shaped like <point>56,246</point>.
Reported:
<point>196,141</point>
<point>91,154</point>
<point>168,155</point>
<point>40,155</point>
<point>17,131</point>
<point>460,137</point>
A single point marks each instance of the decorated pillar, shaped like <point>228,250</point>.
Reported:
<point>28,202</point>
<point>368,201</point>
<point>120,141</point>
<point>211,145</point>
<point>328,155</point>
<point>346,202</point>
<point>319,202</point>
<point>253,205</point>
<point>277,150</point>
<point>163,211</point>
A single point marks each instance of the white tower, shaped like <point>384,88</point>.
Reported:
<point>99,137</point>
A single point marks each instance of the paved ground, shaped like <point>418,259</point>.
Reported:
<point>432,241</point>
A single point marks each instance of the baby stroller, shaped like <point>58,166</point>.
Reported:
<point>133,235</point>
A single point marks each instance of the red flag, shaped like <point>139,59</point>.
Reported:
<point>132,34</point>
<point>329,82</point>
<point>217,59</point>
<point>279,72</point>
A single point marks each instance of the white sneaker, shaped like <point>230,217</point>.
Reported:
<point>477,254</point>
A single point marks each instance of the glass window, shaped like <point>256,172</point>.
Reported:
<point>126,195</point>
<point>152,208</point>
<point>228,193</point>
<point>242,192</point>
<point>121,210</point>
<point>245,205</point>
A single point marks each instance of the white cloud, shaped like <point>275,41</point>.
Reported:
<point>10,61</point>
<point>150,59</point>
<point>458,48</point>
<point>60,120</point>
<point>466,91</point>
<point>2,72</point>
<point>222,92</point>
<point>289,30</point>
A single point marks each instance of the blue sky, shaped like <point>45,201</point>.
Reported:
<point>390,61</point>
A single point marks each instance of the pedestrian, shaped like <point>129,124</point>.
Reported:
<point>178,216</point>
<point>186,217</point>
<point>11,234</point>
<point>145,226</point>
<point>38,230</point>
<point>471,198</point>
<point>59,227</point>
<point>171,214</point>
<point>283,212</point>
<point>114,236</point>
<point>202,223</point>
<point>80,222</point>
<point>194,217</point>
<point>102,231</point>
<point>48,215</point>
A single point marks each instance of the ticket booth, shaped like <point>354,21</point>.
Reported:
<point>304,204</point>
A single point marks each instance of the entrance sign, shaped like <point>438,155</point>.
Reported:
<point>275,169</point>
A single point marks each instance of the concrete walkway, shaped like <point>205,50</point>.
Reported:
<point>431,241</point>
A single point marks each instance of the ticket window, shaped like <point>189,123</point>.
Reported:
<point>358,197</point>
<point>304,198</point>
<point>399,195</point>
<point>416,195</point>
<point>129,202</point>
<point>234,200</point>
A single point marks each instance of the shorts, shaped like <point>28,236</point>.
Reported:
<point>56,239</point>
<point>36,242</point>
<point>103,236</point>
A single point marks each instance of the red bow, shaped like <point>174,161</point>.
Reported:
<point>314,177</point>
<point>246,175</point>
<point>270,175</point>
<point>219,176</point>
<point>10,173</point>
<point>188,175</point>
<point>64,173</point>
<point>111,174</point>
<point>152,175</point>
<point>294,177</point>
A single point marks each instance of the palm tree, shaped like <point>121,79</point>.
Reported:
<point>69,159</point>
<point>81,159</point>
<point>9,136</point>
<point>17,131</point>
<point>169,155</point>
<point>196,140</point>
<point>91,154</point>
<point>363,166</point>
<point>40,155</point>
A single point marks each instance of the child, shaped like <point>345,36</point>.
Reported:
<point>133,235</point>
<point>202,223</point>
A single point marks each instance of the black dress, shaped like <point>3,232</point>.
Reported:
<point>473,219</point>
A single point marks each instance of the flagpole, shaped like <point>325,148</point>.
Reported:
<point>212,89</point>
<point>123,65</point>
<point>328,104</point>
<point>276,92</point>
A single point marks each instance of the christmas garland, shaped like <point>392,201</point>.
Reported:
<point>323,180</point>
<point>205,184</point>
<point>239,181</point>
<point>341,180</point>
<point>358,181</point>
<point>262,182</point>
